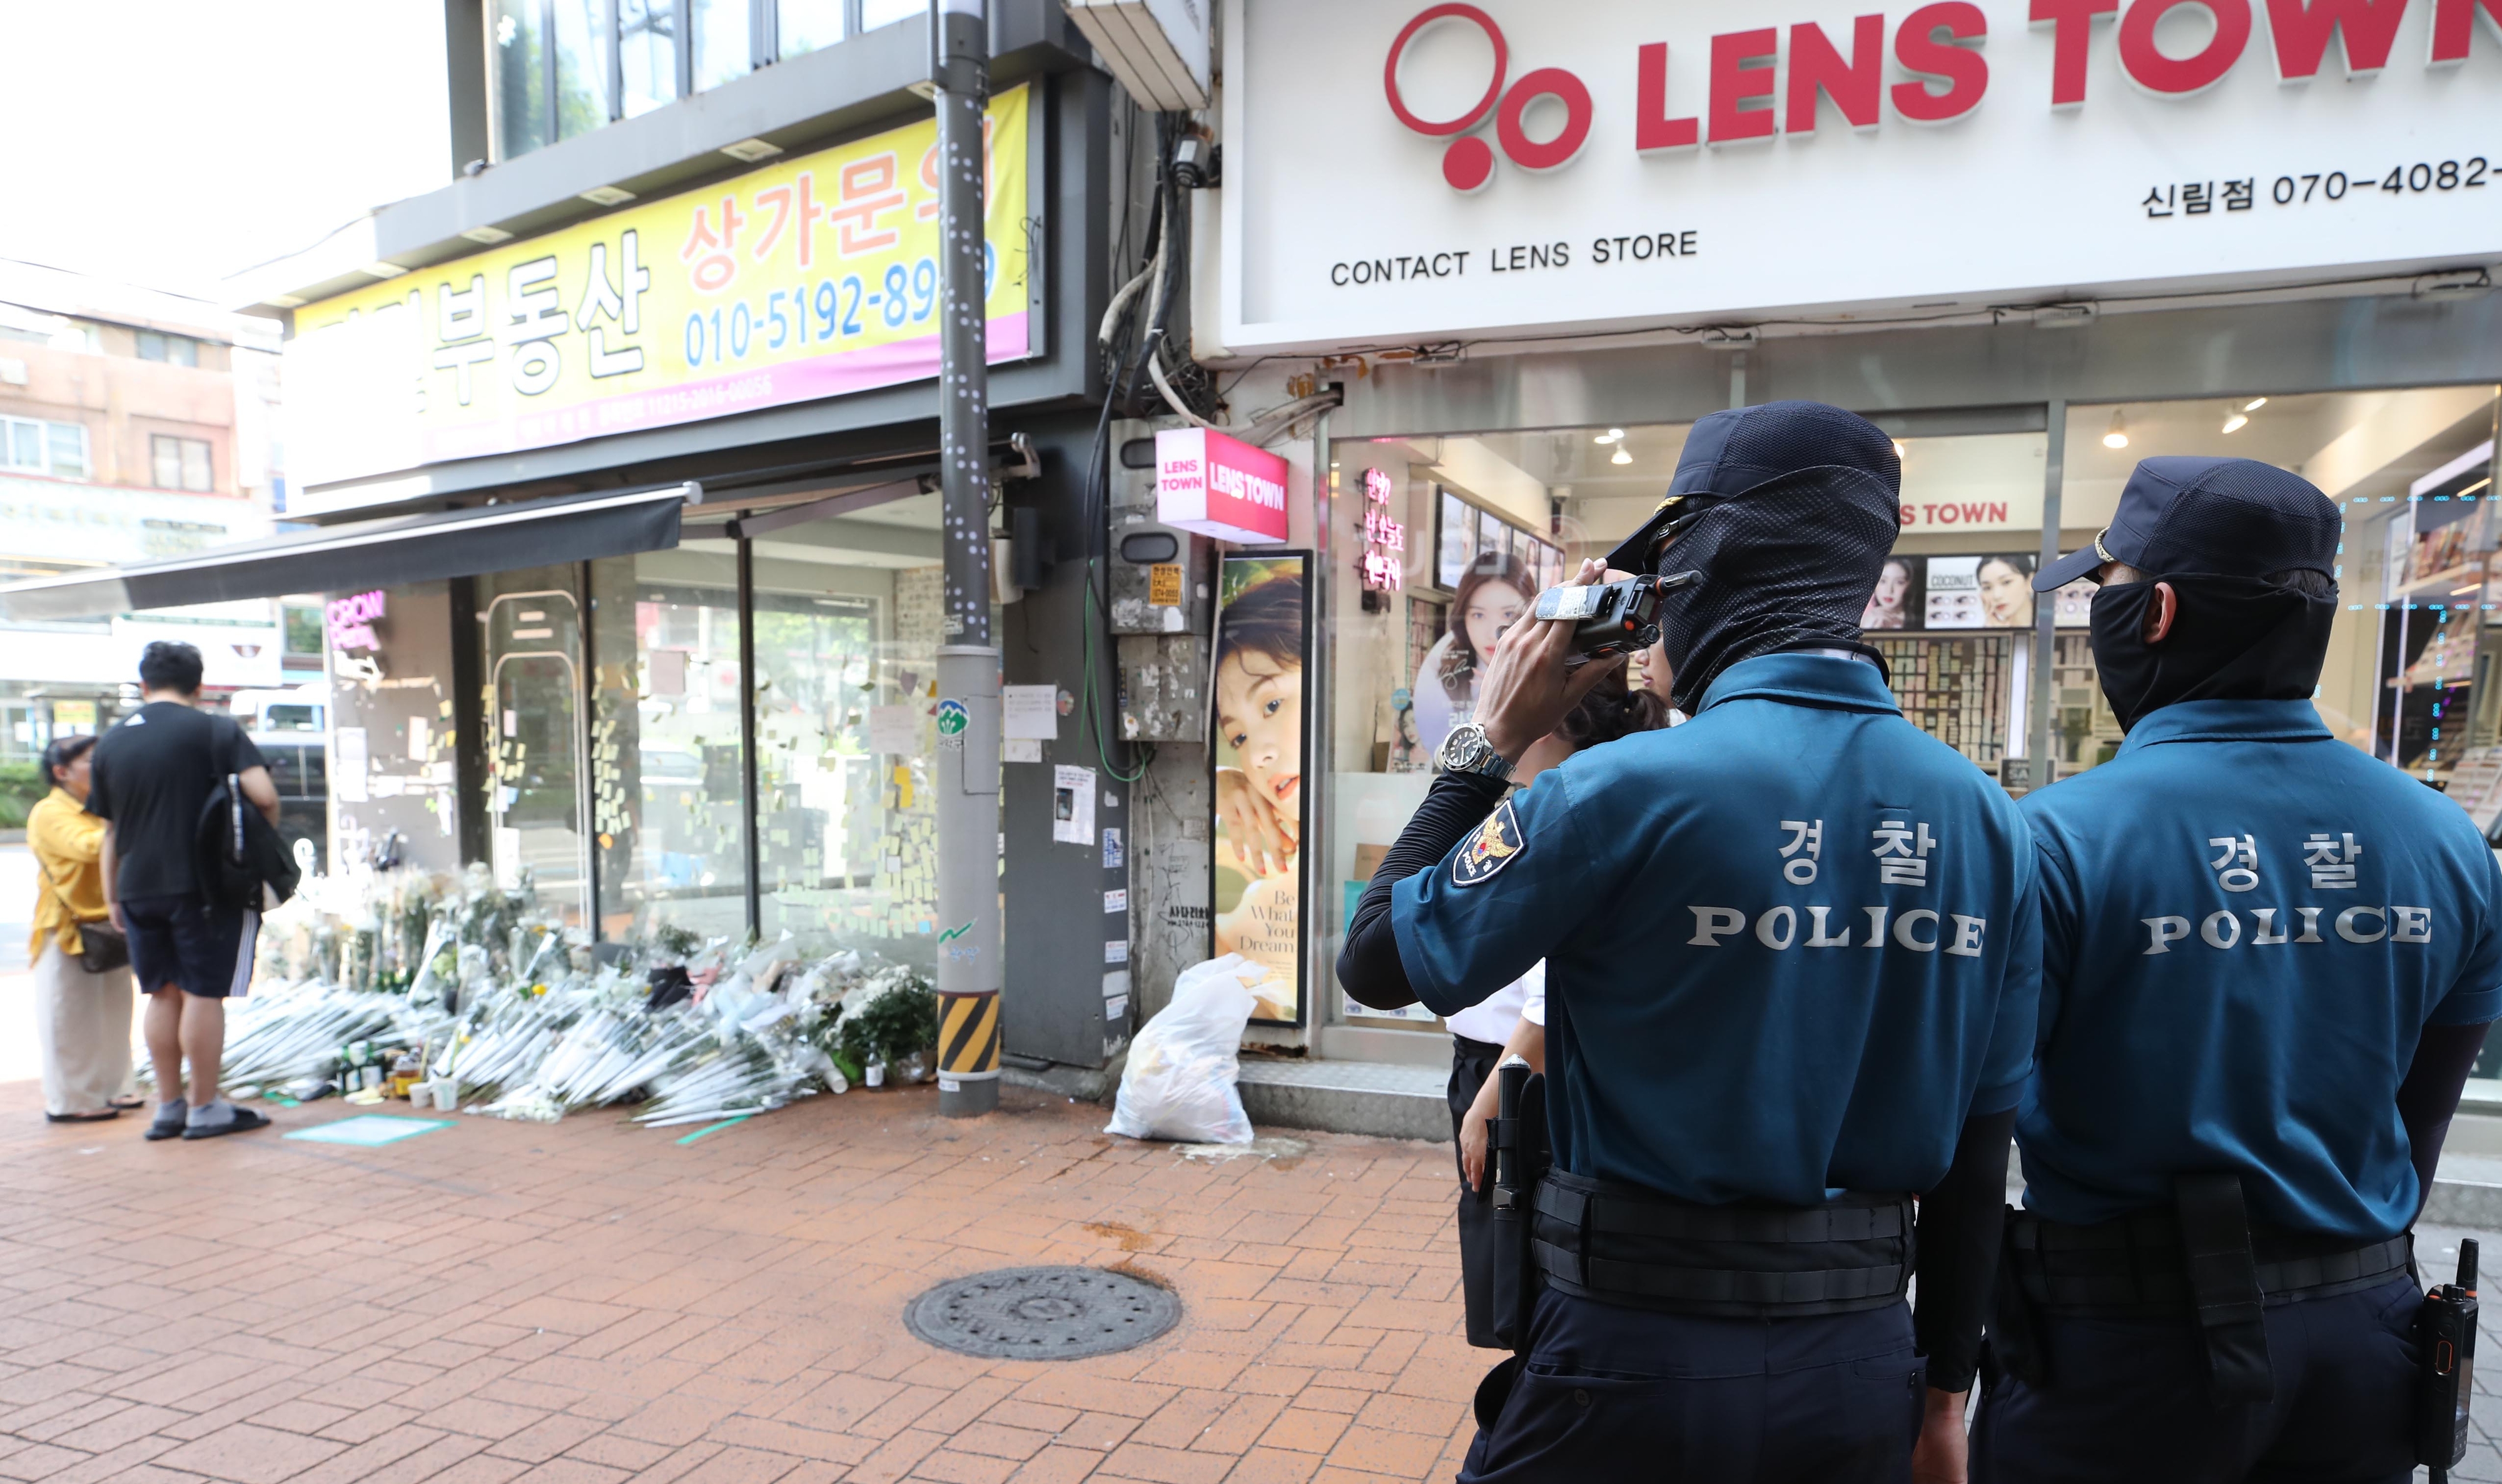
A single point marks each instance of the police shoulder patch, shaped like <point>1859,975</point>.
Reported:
<point>1490,849</point>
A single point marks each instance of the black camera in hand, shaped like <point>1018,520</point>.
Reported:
<point>1610,618</point>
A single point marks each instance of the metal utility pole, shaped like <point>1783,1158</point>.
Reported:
<point>968,662</point>
<point>2042,769</point>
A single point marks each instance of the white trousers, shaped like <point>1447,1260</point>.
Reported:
<point>83,1022</point>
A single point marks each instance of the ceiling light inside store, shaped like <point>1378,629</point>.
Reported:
<point>1621,455</point>
<point>2253,404</point>
<point>1900,452</point>
<point>2235,422</point>
<point>2118,437</point>
<point>2461,591</point>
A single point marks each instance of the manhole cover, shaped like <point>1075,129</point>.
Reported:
<point>1042,1313</point>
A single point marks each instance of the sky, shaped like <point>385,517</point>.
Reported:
<point>171,143</point>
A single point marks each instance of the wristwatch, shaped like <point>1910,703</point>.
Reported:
<point>1466,751</point>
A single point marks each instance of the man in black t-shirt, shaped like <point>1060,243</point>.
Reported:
<point>152,775</point>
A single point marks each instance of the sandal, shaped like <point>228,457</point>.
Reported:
<point>244,1119</point>
<point>83,1118</point>
<point>126,1102</point>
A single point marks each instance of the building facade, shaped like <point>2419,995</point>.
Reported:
<point>1529,252</point>
<point>619,459</point>
<point>134,426</point>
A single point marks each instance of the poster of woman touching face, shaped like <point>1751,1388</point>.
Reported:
<point>1263,639</point>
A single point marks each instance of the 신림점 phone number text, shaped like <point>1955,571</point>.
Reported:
<point>2199,198</point>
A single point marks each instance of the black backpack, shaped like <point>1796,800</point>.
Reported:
<point>241,863</point>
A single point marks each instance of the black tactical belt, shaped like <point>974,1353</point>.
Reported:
<point>2133,1267</point>
<point>1625,1245</point>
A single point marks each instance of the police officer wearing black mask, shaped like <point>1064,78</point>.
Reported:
<point>1793,951</point>
<point>2270,960</point>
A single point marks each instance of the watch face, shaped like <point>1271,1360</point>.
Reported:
<point>1462,749</point>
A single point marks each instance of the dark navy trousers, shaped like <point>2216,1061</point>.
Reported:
<point>2127,1399</point>
<point>1473,1062</point>
<point>1618,1394</point>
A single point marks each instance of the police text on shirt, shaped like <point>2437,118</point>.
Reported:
<point>1901,850</point>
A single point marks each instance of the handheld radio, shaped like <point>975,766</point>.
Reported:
<point>1610,618</point>
<point>2446,1330</point>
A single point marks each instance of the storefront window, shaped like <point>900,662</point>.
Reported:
<point>845,623</point>
<point>2408,676</point>
<point>1484,524</point>
<point>581,65</point>
<point>668,774</point>
<point>1953,608</point>
<point>551,70</point>
<point>1490,519</point>
<point>847,632</point>
<point>808,26</point>
<point>532,633</point>
<point>647,54</point>
<point>518,45</point>
<point>722,49</point>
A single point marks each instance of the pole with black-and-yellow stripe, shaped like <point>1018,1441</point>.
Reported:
<point>968,664</point>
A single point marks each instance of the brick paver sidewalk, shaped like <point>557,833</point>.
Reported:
<point>588,1301</point>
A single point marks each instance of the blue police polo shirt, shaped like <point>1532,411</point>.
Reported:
<point>1790,946</point>
<point>2246,924</point>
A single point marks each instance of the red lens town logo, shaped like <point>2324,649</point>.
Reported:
<point>1468,164</point>
<point>1758,88</point>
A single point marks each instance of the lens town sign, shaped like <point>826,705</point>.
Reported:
<point>1511,167</point>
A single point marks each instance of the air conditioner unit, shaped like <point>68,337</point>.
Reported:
<point>1157,49</point>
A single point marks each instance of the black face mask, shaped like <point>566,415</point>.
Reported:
<point>2233,638</point>
<point>1787,565</point>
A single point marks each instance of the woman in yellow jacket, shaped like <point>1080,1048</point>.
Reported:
<point>83,1019</point>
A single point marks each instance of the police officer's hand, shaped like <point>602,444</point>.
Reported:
<point>1527,689</point>
<point>1943,1453</point>
<point>1473,1133</point>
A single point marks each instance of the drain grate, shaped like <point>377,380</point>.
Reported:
<point>1042,1313</point>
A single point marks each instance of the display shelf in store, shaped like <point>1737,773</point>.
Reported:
<point>2456,582</point>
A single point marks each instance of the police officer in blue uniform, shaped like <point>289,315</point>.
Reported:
<point>2270,960</point>
<point>1793,950</point>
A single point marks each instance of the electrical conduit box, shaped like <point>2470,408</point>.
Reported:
<point>1164,695</point>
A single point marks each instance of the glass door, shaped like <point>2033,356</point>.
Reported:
<point>847,628</point>
<point>668,758</point>
<point>533,660</point>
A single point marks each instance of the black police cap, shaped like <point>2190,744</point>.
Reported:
<point>2182,515</point>
<point>1731,451</point>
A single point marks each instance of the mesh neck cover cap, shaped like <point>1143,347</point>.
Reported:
<point>1787,511</point>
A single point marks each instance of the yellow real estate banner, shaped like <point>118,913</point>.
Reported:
<point>809,277</point>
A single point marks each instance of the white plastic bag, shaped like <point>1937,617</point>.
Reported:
<point>1179,1083</point>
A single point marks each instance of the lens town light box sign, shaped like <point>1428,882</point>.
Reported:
<point>1525,166</point>
<point>1219,485</point>
<point>810,277</point>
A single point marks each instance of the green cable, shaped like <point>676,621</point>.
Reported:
<point>1094,705</point>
